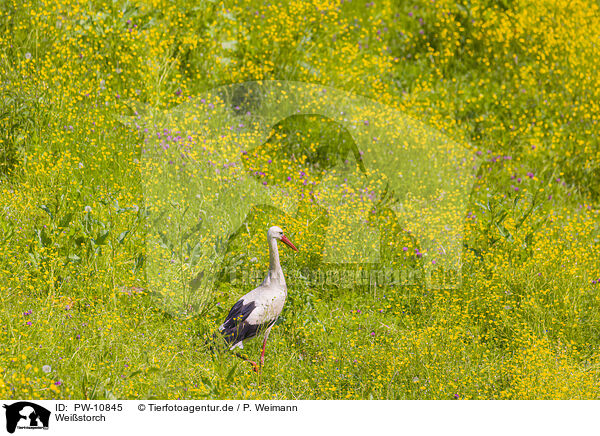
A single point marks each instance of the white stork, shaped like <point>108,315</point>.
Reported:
<point>257,311</point>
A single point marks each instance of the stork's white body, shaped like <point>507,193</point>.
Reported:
<point>269,300</point>
<point>258,310</point>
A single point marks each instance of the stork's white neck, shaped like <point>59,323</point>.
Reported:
<point>275,276</point>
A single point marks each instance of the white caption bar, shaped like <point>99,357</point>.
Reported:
<point>156,417</point>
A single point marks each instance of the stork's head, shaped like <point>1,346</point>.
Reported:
<point>277,233</point>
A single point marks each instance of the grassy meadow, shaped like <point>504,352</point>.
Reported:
<point>147,145</point>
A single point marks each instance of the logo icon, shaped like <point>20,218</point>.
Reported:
<point>26,415</point>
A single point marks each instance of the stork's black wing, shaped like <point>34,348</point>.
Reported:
<point>235,328</point>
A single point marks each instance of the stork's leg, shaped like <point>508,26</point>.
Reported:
<point>255,366</point>
<point>262,355</point>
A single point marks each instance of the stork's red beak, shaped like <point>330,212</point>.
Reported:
<point>287,242</point>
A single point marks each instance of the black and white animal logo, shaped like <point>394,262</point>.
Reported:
<point>26,415</point>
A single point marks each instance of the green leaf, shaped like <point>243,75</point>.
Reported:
<point>122,236</point>
<point>502,217</point>
<point>231,372</point>
<point>7,231</point>
<point>65,221</point>
<point>43,239</point>
<point>34,258</point>
<point>196,254</point>
<point>505,233</point>
<point>139,262</point>
<point>207,382</point>
<point>164,241</point>
<point>47,210</point>
<point>74,258</point>
<point>193,230</point>
<point>101,237</point>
